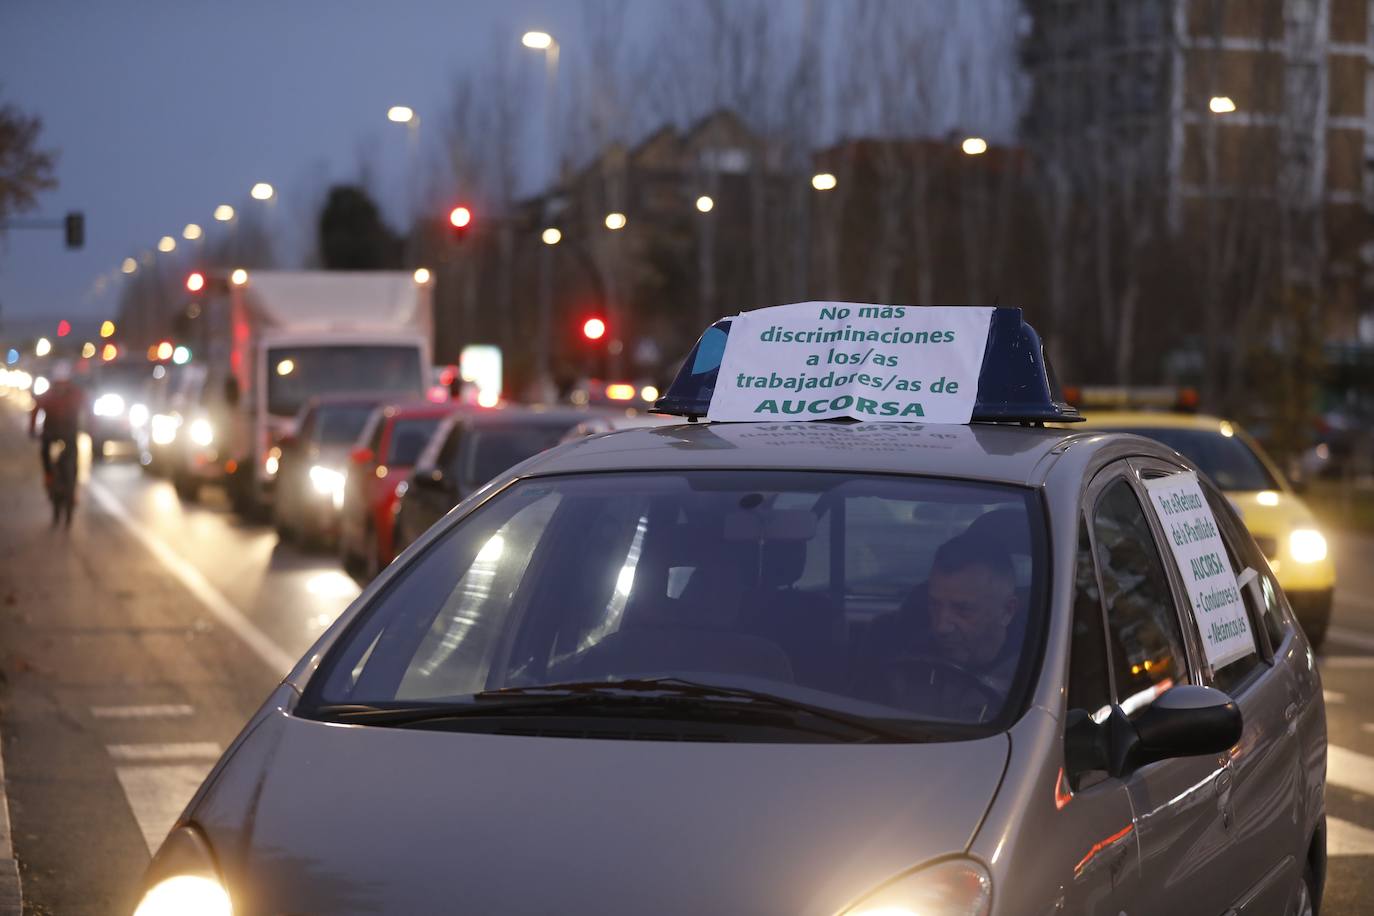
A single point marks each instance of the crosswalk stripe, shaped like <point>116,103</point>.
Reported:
<point>157,795</point>
<point>1349,769</point>
<point>164,710</point>
<point>175,750</point>
<point>1346,839</point>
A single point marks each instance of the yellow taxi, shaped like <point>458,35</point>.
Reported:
<point>1282,525</point>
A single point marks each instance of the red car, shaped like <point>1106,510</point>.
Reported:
<point>390,442</point>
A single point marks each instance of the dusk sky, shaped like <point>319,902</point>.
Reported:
<point>162,110</point>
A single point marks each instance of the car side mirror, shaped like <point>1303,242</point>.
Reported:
<point>1187,721</point>
<point>1184,721</point>
<point>362,455</point>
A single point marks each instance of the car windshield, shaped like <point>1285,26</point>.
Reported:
<point>1225,459</point>
<point>492,449</point>
<point>296,374</point>
<point>409,436</point>
<point>899,599</point>
<point>340,424</point>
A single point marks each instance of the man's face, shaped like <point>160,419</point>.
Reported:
<point>969,613</point>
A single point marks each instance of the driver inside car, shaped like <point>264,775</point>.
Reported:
<point>952,647</point>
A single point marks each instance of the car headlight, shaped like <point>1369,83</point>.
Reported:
<point>163,428</point>
<point>957,887</point>
<point>201,432</point>
<point>1307,545</point>
<point>326,481</point>
<point>108,405</point>
<point>183,879</point>
<point>138,414</point>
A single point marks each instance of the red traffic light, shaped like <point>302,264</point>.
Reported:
<point>460,217</point>
<point>64,327</point>
<point>195,282</point>
<point>594,329</point>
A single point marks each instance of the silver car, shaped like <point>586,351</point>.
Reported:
<point>783,668</point>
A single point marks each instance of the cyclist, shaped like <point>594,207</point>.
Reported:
<point>63,406</point>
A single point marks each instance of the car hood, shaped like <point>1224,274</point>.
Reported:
<point>322,818</point>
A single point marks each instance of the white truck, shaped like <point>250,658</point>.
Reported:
<point>278,338</point>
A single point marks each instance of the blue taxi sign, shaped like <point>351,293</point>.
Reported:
<point>1015,385</point>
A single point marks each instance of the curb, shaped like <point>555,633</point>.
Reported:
<point>11,892</point>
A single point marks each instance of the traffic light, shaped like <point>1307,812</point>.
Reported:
<point>460,218</point>
<point>164,350</point>
<point>195,282</point>
<point>75,224</point>
<point>64,327</point>
<point>594,329</point>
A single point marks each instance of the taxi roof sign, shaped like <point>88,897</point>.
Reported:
<point>1016,383</point>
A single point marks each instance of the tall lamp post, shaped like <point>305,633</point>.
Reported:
<point>403,114</point>
<point>543,377</point>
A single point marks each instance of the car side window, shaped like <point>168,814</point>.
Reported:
<point>1089,677</point>
<point>1266,614</point>
<point>374,441</point>
<point>447,460</point>
<point>1143,631</point>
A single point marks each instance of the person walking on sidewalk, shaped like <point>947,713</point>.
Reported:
<point>63,406</point>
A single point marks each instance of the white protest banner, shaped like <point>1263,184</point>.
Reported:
<point>822,360</point>
<point>1196,542</point>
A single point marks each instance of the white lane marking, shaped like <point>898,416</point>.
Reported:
<point>1344,636</point>
<point>165,710</point>
<point>1333,696</point>
<point>1346,839</point>
<point>197,584</point>
<point>1349,769</point>
<point>174,750</point>
<point>157,795</point>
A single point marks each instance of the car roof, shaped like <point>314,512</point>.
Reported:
<point>346,398</point>
<point>413,409</point>
<point>994,452</point>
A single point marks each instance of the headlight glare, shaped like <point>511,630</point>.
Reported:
<point>201,432</point>
<point>184,894</point>
<point>956,887</point>
<point>108,405</point>
<point>326,481</point>
<point>1307,545</point>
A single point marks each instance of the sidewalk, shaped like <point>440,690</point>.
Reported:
<point>11,895</point>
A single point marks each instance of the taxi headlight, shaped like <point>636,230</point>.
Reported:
<point>201,432</point>
<point>326,481</point>
<point>957,887</point>
<point>183,879</point>
<point>108,405</point>
<point>1307,545</point>
<point>163,428</point>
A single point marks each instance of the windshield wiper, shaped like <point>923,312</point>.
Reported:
<point>674,694</point>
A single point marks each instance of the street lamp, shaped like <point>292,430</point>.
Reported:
<point>107,328</point>
<point>43,347</point>
<point>823,181</point>
<point>166,244</point>
<point>400,114</point>
<point>1221,104</point>
<point>551,236</point>
<point>615,220</point>
<point>421,275</point>
<point>129,265</point>
<point>262,191</point>
<point>974,146</point>
<point>539,41</point>
<point>705,204</point>
<point>191,232</point>
<point>239,276</point>
<point>224,213</point>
